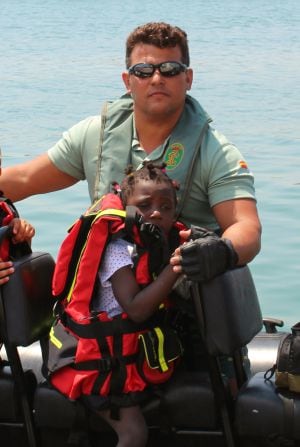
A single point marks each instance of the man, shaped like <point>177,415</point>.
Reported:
<point>157,120</point>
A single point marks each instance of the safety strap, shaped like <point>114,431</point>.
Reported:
<point>103,122</point>
<point>119,372</point>
<point>102,375</point>
<point>103,365</point>
<point>118,376</point>
<point>111,363</point>
<point>97,328</point>
<point>115,365</point>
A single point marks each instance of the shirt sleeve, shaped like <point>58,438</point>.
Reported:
<point>117,255</point>
<point>226,172</point>
<point>68,154</point>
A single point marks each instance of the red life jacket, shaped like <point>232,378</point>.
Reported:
<point>91,353</point>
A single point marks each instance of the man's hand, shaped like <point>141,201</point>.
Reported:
<point>204,257</point>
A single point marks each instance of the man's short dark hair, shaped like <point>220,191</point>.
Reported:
<point>161,35</point>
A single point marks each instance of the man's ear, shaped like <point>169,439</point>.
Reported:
<point>189,78</point>
<point>125,77</point>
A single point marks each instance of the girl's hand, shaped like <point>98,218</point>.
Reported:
<point>22,231</point>
<point>176,258</point>
<point>6,269</point>
<point>175,261</point>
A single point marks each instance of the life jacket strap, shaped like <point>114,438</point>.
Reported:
<point>97,328</point>
<point>104,365</point>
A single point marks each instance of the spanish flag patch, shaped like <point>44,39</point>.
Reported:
<point>243,164</point>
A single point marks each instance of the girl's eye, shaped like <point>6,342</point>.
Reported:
<point>166,207</point>
<point>143,205</point>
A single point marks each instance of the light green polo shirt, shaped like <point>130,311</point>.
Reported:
<point>220,171</point>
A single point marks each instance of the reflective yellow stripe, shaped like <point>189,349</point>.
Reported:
<point>145,351</point>
<point>163,364</point>
<point>75,275</point>
<point>112,212</point>
<point>54,339</point>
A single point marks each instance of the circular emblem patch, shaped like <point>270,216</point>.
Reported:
<point>173,156</point>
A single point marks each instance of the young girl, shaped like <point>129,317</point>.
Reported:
<point>154,195</point>
<point>22,231</point>
<point>119,298</point>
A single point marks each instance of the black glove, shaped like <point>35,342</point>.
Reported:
<point>206,255</point>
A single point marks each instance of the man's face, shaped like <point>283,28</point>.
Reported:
<point>157,96</point>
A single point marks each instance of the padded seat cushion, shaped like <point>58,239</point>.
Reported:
<point>186,402</point>
<point>10,410</point>
<point>232,311</point>
<point>52,409</point>
<point>27,299</point>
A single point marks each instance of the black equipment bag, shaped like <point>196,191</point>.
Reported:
<point>266,415</point>
<point>287,367</point>
<point>268,406</point>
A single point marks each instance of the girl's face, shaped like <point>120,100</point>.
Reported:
<point>155,202</point>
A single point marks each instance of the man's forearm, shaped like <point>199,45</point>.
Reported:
<point>12,183</point>
<point>246,240</point>
<point>38,176</point>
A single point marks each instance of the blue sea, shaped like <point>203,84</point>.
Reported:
<point>60,59</point>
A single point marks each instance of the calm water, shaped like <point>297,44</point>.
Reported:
<point>59,60</point>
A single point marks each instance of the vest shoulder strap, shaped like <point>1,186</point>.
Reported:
<point>101,138</point>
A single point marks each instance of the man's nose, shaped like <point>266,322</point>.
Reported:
<point>157,76</point>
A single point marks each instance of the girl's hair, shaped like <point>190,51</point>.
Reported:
<point>151,172</point>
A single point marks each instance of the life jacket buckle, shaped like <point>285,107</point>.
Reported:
<point>106,365</point>
<point>94,315</point>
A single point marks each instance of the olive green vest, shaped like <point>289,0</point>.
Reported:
<point>179,152</point>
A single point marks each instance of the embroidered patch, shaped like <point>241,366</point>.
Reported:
<point>174,156</point>
<point>243,164</point>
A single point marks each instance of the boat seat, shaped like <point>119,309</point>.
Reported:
<point>25,315</point>
<point>27,299</point>
<point>185,404</point>
<point>10,408</point>
<point>188,402</point>
<point>187,398</point>
<point>267,416</point>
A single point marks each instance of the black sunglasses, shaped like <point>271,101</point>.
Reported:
<point>168,69</point>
